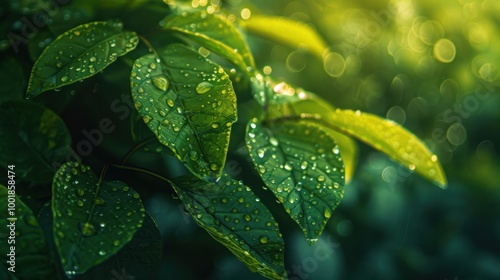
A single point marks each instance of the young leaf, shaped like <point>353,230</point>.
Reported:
<point>33,138</point>
<point>23,232</point>
<point>234,216</point>
<point>93,219</point>
<point>189,104</point>
<point>389,138</point>
<point>302,166</point>
<point>78,54</point>
<point>216,33</point>
<point>286,31</point>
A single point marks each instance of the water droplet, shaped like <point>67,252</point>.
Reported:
<point>64,79</point>
<point>273,141</point>
<point>261,152</point>
<point>87,229</point>
<point>321,178</point>
<point>193,155</point>
<point>161,83</point>
<point>170,102</point>
<point>214,167</point>
<point>98,201</point>
<point>80,192</point>
<point>263,239</point>
<point>288,167</point>
<point>303,165</point>
<point>327,213</point>
<point>203,87</point>
<point>247,217</point>
<point>102,252</point>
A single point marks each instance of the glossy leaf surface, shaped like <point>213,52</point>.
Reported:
<point>93,219</point>
<point>189,104</point>
<point>301,164</point>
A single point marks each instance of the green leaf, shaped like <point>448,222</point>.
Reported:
<point>216,33</point>
<point>93,219</point>
<point>30,250</point>
<point>302,166</point>
<point>286,31</point>
<point>234,216</point>
<point>140,258</point>
<point>189,104</point>
<point>389,138</point>
<point>285,100</point>
<point>384,135</point>
<point>78,54</point>
<point>33,138</point>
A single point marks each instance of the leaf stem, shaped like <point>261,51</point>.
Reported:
<point>135,149</point>
<point>142,171</point>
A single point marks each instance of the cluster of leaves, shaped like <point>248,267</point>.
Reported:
<point>185,79</point>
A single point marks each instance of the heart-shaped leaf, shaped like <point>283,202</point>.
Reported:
<point>93,219</point>
<point>23,246</point>
<point>302,166</point>
<point>234,216</point>
<point>78,54</point>
<point>189,104</point>
<point>216,33</point>
<point>34,138</point>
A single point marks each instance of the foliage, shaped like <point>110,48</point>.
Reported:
<point>188,78</point>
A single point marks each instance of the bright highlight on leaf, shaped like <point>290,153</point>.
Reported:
<point>389,138</point>
<point>33,137</point>
<point>31,252</point>
<point>286,31</point>
<point>189,104</point>
<point>216,33</point>
<point>78,54</point>
<point>93,219</point>
<point>234,216</point>
<point>302,166</point>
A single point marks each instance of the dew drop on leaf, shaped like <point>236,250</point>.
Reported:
<point>203,87</point>
<point>87,229</point>
<point>161,83</point>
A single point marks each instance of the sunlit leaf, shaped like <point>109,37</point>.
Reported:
<point>189,104</point>
<point>301,164</point>
<point>286,31</point>
<point>30,252</point>
<point>231,213</point>
<point>78,54</point>
<point>33,138</point>
<point>389,138</point>
<point>285,100</point>
<point>93,219</point>
<point>214,32</point>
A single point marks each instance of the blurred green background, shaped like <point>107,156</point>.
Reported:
<point>431,66</point>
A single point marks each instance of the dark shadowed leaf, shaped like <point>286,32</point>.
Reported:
<point>33,138</point>
<point>31,259</point>
<point>234,216</point>
<point>78,54</point>
<point>189,104</point>
<point>216,33</point>
<point>302,166</point>
<point>93,219</point>
<point>139,259</point>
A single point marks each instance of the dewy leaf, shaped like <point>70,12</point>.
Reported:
<point>286,31</point>
<point>216,33</point>
<point>284,100</point>
<point>93,219</point>
<point>78,54</point>
<point>301,164</point>
<point>33,138</point>
<point>234,216</point>
<point>190,105</point>
<point>22,231</point>
<point>139,259</point>
<point>389,138</point>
